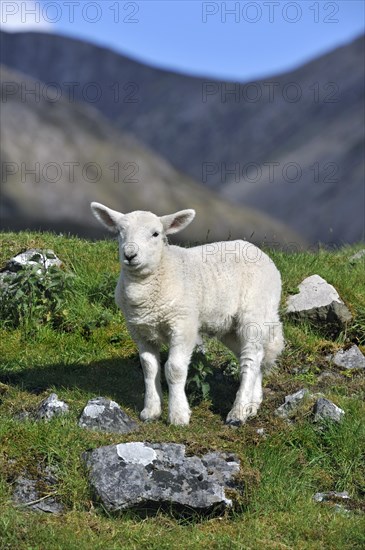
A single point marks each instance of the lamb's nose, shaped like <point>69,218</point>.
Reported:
<point>129,257</point>
<point>130,251</point>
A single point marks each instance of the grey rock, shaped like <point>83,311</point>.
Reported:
<point>27,495</point>
<point>104,415</point>
<point>332,495</point>
<point>139,473</point>
<point>292,403</point>
<point>33,257</point>
<point>326,410</point>
<point>51,407</point>
<point>358,256</point>
<point>348,359</point>
<point>319,303</point>
<point>261,432</point>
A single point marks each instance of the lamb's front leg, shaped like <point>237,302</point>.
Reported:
<point>249,395</point>
<point>150,360</point>
<point>176,371</point>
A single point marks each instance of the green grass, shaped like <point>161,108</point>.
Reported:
<point>90,353</point>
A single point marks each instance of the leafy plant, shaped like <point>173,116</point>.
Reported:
<point>197,384</point>
<point>232,370</point>
<point>33,296</point>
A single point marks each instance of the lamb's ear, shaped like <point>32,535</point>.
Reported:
<point>173,223</point>
<point>108,217</point>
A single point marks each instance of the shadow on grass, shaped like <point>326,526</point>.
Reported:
<point>118,379</point>
<point>181,513</point>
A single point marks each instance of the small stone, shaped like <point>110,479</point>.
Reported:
<point>358,256</point>
<point>51,407</point>
<point>326,410</point>
<point>292,403</point>
<point>104,415</point>
<point>319,303</point>
<point>348,359</point>
<point>261,432</point>
<point>332,495</point>
<point>140,474</point>
<point>33,256</point>
<point>27,496</point>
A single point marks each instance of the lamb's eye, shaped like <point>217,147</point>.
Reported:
<point>155,234</point>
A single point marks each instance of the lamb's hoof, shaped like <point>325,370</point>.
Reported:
<point>240,414</point>
<point>148,415</point>
<point>179,418</point>
<point>234,422</point>
<point>233,419</point>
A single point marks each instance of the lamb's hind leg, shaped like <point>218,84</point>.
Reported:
<point>249,395</point>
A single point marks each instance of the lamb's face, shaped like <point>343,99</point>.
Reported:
<point>142,235</point>
<point>141,241</point>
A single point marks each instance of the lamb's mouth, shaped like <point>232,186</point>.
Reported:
<point>132,264</point>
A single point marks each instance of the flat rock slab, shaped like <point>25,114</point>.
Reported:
<point>138,474</point>
<point>105,415</point>
<point>326,410</point>
<point>348,359</point>
<point>51,407</point>
<point>319,303</point>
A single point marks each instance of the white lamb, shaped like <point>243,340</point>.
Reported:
<point>171,295</point>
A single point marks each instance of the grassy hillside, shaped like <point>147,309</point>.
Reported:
<point>82,349</point>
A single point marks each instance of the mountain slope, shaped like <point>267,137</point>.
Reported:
<point>309,118</point>
<point>58,156</point>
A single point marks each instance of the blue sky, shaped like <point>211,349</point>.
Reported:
<point>232,40</point>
